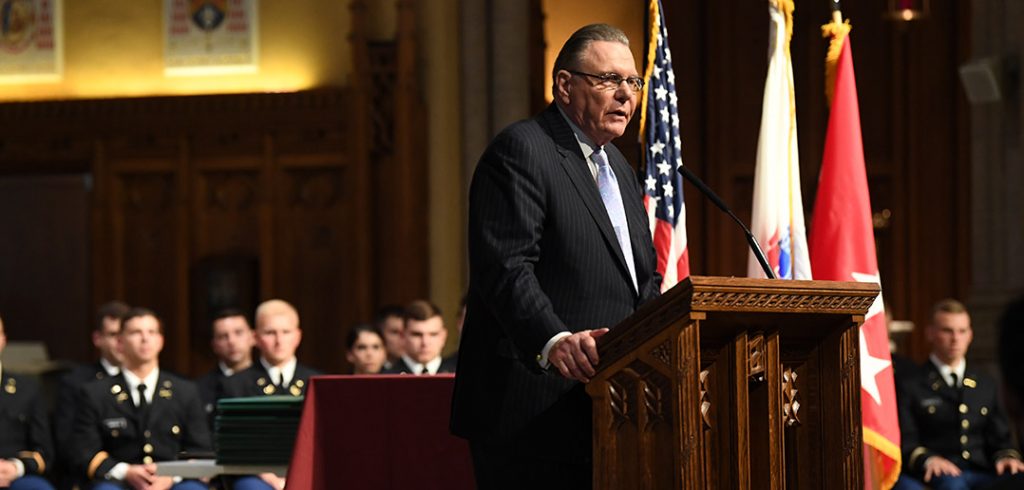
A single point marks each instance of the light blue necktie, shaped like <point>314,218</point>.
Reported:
<point>608,185</point>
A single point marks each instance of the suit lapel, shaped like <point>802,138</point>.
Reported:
<point>162,397</point>
<point>122,399</point>
<point>939,386</point>
<point>636,215</point>
<point>583,181</point>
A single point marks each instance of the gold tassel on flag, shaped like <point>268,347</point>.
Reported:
<point>842,213</point>
<point>837,30</point>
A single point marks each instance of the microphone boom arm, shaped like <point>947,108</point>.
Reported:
<point>754,247</point>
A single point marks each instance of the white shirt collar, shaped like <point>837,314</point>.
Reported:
<point>133,383</point>
<point>945,371</point>
<point>586,145</point>
<point>111,369</point>
<point>224,369</point>
<point>432,366</point>
<point>287,370</point>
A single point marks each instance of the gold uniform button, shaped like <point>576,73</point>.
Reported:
<point>175,429</point>
<point>148,448</point>
<point>966,454</point>
<point>984,410</point>
<point>965,424</point>
<point>115,433</point>
<point>963,439</point>
<point>931,409</point>
<point>147,434</point>
<point>963,408</point>
<point>147,459</point>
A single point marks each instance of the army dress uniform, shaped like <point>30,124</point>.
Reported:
<point>24,428</point>
<point>64,416</point>
<point>963,424</point>
<point>256,381</point>
<point>404,365</point>
<point>110,429</point>
<point>211,389</point>
<point>67,397</point>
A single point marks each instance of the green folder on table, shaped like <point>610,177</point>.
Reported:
<point>256,430</point>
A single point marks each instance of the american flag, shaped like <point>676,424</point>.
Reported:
<point>663,185</point>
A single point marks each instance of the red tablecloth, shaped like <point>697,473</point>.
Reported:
<point>379,432</point>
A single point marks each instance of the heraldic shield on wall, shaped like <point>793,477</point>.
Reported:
<point>210,37</point>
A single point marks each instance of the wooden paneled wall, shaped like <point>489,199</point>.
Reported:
<point>204,202</point>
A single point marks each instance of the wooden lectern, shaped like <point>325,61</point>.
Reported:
<point>735,384</point>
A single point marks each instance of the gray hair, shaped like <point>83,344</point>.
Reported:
<point>572,51</point>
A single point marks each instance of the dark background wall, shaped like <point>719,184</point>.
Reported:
<point>914,120</point>
<point>181,202</point>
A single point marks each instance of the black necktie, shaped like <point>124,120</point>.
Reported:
<point>142,397</point>
<point>953,377</point>
<point>280,379</point>
<point>424,370</point>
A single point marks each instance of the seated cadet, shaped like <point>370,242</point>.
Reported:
<point>232,343</point>
<point>424,335</point>
<point>954,433</point>
<point>24,431</point>
<point>278,371</point>
<point>144,415</point>
<point>104,339</point>
<point>364,349</point>
<point>389,321</point>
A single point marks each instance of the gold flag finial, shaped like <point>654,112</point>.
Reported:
<point>837,30</point>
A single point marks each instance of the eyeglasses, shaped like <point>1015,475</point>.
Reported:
<point>611,81</point>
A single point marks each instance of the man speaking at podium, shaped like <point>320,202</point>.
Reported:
<point>559,249</point>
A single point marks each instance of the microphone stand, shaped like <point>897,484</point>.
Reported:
<point>754,247</point>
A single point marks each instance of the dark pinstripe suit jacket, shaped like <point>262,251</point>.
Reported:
<point>543,259</point>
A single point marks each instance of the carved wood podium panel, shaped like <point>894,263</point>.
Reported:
<point>735,384</point>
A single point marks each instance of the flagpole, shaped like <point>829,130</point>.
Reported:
<point>837,13</point>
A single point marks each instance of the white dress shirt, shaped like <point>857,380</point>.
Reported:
<point>132,382</point>
<point>111,369</point>
<point>275,372</point>
<point>945,370</point>
<point>417,368</point>
<point>224,369</point>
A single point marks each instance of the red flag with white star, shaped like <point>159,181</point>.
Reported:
<point>842,248</point>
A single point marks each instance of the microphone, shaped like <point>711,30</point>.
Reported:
<point>754,247</point>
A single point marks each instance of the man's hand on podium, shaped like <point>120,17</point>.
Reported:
<point>575,356</point>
